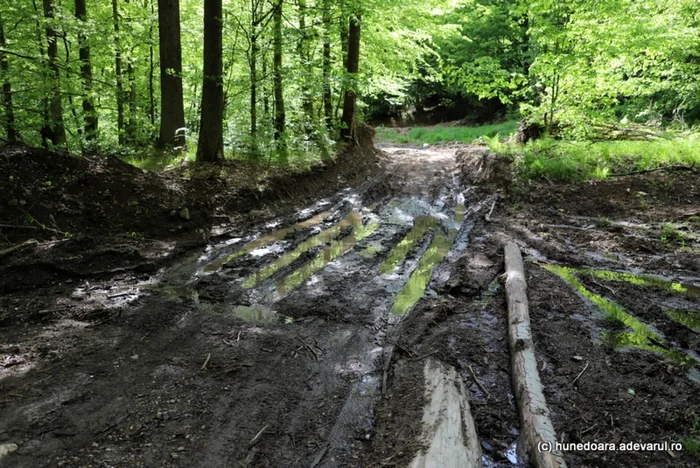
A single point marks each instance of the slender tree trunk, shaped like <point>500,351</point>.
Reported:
<point>172,109</point>
<point>89,114</point>
<point>347,131</point>
<point>118,72</point>
<point>58,131</point>
<point>211,144</point>
<point>131,119</point>
<point>327,97</point>
<point>12,134</point>
<point>151,71</point>
<point>280,116</point>
<point>307,103</point>
<point>252,63</point>
<point>265,91</point>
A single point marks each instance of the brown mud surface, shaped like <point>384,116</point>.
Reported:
<point>295,333</point>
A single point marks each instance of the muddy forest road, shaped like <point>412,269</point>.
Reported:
<point>304,342</point>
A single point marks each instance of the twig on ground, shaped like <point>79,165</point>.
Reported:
<point>476,380</point>
<point>206,361</point>
<point>580,374</point>
<point>256,439</point>
<point>488,215</point>
<point>319,457</point>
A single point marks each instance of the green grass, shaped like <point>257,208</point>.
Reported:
<point>572,161</point>
<point>158,161</point>
<point>440,133</point>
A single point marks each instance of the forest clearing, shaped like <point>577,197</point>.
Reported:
<point>369,234</point>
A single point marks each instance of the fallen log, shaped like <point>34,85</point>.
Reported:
<point>449,433</point>
<point>537,437</point>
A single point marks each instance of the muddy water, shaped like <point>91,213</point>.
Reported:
<point>370,262</point>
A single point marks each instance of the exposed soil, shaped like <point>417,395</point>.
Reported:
<point>277,337</point>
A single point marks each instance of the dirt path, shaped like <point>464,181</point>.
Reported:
<point>305,341</point>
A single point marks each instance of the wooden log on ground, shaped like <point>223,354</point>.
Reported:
<point>537,438</point>
<point>448,427</point>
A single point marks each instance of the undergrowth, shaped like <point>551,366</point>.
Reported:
<point>558,160</point>
<point>444,133</point>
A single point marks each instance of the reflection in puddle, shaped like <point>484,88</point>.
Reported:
<point>398,253</point>
<point>645,280</point>
<point>353,219</point>
<point>688,318</point>
<point>327,255</point>
<point>266,239</point>
<point>418,282</point>
<point>641,337</point>
<point>415,287</point>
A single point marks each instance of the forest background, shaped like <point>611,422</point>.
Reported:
<point>287,79</point>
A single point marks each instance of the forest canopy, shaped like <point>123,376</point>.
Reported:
<point>288,79</point>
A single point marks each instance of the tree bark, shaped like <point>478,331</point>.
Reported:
<point>280,115</point>
<point>172,109</point>
<point>307,103</point>
<point>89,114</point>
<point>210,147</point>
<point>12,134</point>
<point>535,426</point>
<point>151,69</point>
<point>326,65</point>
<point>57,128</point>
<point>252,64</point>
<point>347,132</point>
<point>118,72</point>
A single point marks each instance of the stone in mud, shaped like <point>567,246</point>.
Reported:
<point>185,214</point>
<point>6,449</point>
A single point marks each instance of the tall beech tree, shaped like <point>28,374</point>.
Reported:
<point>172,110</point>
<point>210,147</point>
<point>347,131</point>
<point>280,114</point>
<point>12,134</point>
<point>55,128</point>
<point>89,114</point>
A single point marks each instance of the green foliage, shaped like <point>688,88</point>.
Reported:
<point>570,161</point>
<point>441,134</point>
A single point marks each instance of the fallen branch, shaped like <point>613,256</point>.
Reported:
<point>483,389</point>
<point>256,439</point>
<point>17,226</point>
<point>536,430</point>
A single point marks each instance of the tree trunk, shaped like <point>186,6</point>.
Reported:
<point>347,132</point>
<point>252,63</point>
<point>12,134</point>
<point>172,109</point>
<point>151,70</point>
<point>58,131</point>
<point>535,426</point>
<point>210,147</point>
<point>118,72</point>
<point>307,103</point>
<point>89,114</point>
<point>280,116</point>
<point>327,97</point>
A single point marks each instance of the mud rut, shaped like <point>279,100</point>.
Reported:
<point>292,346</point>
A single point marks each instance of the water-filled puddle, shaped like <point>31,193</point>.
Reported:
<point>645,280</point>
<point>265,240</point>
<point>353,219</point>
<point>417,283</point>
<point>327,255</point>
<point>398,253</point>
<point>640,335</point>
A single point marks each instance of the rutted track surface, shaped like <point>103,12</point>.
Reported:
<point>268,348</point>
<point>310,341</point>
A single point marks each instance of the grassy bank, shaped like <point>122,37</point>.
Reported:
<point>571,161</point>
<point>443,133</point>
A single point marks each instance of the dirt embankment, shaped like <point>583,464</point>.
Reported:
<point>64,215</point>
